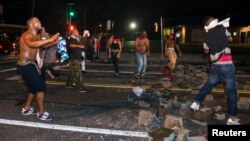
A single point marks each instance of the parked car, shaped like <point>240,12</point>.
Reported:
<point>6,46</point>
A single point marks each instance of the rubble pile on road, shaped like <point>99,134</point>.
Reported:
<point>187,76</point>
<point>171,110</point>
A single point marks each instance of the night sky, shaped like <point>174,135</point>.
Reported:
<point>53,13</point>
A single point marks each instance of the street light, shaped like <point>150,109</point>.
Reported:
<point>132,25</point>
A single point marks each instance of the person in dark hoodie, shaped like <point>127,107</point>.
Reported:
<point>222,67</point>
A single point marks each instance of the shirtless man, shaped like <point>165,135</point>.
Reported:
<point>172,57</point>
<point>141,51</point>
<point>30,42</point>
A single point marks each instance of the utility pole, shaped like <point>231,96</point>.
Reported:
<point>70,4</point>
<point>162,45</point>
<point>33,8</point>
<point>84,18</point>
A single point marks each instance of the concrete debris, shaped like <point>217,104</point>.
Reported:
<point>154,121</point>
<point>131,98</point>
<point>246,87</point>
<point>176,104</point>
<point>219,116</point>
<point>143,104</point>
<point>165,103</point>
<point>204,123</point>
<point>172,121</point>
<point>158,93</point>
<point>183,98</point>
<point>159,133</point>
<point>197,138</point>
<point>243,106</point>
<point>217,108</point>
<point>185,105</point>
<point>202,116</point>
<point>171,137</point>
<point>244,100</point>
<point>181,134</point>
<point>166,84</point>
<point>209,98</point>
<point>144,117</point>
<point>205,109</point>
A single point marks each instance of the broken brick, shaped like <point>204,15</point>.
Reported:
<point>201,116</point>
<point>217,108</point>
<point>246,87</point>
<point>219,116</point>
<point>144,117</point>
<point>202,123</point>
<point>243,106</point>
<point>209,98</point>
<point>159,133</point>
<point>172,121</point>
<point>244,100</point>
<point>144,104</point>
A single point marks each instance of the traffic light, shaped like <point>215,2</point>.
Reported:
<point>71,13</point>
<point>71,28</point>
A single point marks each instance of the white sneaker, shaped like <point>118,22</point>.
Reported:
<point>230,121</point>
<point>31,111</point>
<point>195,106</point>
<point>44,116</point>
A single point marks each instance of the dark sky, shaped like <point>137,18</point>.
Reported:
<point>53,13</point>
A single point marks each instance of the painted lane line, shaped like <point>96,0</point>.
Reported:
<point>6,70</point>
<point>75,128</point>
<point>124,86</point>
<point>122,72</point>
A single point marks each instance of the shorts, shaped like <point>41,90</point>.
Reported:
<point>32,78</point>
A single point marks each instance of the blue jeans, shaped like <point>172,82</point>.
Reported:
<point>225,72</point>
<point>141,63</point>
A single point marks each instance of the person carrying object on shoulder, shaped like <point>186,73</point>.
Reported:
<point>221,68</point>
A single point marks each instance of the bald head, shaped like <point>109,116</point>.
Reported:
<point>34,23</point>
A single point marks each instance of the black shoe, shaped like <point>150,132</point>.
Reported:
<point>58,78</point>
<point>142,75</point>
<point>69,87</point>
<point>116,74</point>
<point>84,72</point>
<point>136,76</point>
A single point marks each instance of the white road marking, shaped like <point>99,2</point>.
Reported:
<point>6,70</point>
<point>75,128</point>
<point>15,77</point>
<point>122,72</point>
<point>101,71</point>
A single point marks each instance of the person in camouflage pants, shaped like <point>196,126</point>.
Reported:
<point>75,73</point>
<point>75,48</point>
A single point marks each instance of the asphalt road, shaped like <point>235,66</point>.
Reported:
<point>103,113</point>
